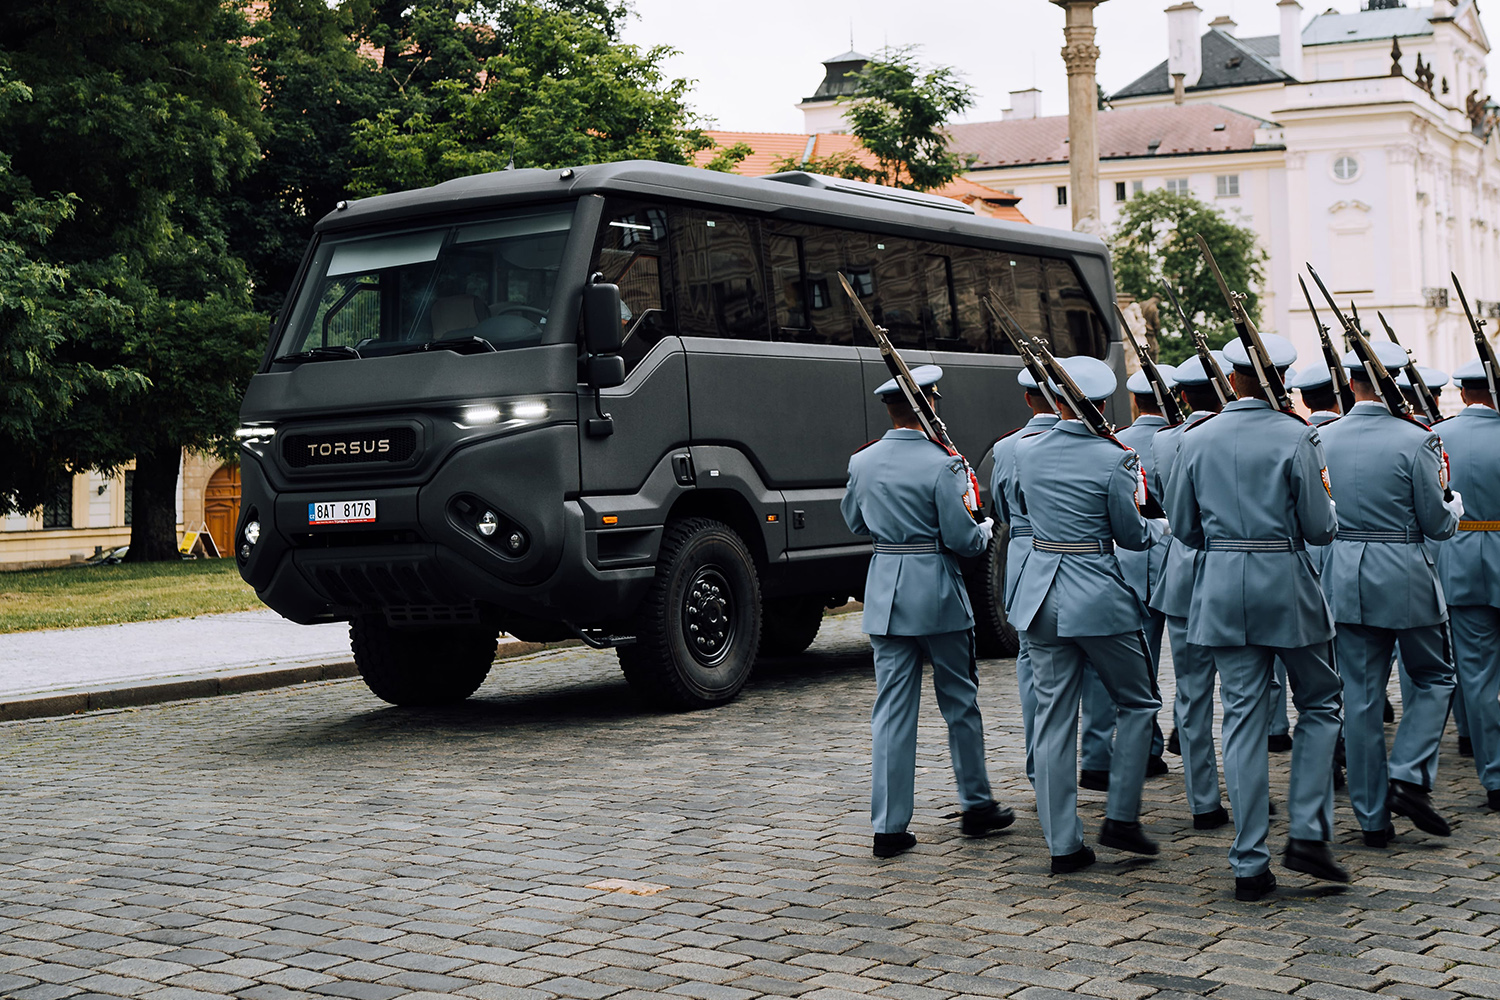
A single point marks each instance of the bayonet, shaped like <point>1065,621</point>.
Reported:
<point>1482,345</point>
<point>1336,370</point>
<point>1222,387</point>
<point>1386,389</point>
<point>1166,403</point>
<point>1418,384</point>
<point>1260,359</point>
<point>1083,407</point>
<point>1028,356</point>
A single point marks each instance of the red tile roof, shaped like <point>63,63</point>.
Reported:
<point>1123,133</point>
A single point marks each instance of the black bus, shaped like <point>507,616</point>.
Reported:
<point>617,403</point>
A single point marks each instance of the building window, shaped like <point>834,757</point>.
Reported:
<point>129,497</point>
<point>58,511</point>
<point>1062,195</point>
<point>1119,190</point>
<point>1228,185</point>
<point>1346,168</point>
<point>1136,187</point>
<point>1177,185</point>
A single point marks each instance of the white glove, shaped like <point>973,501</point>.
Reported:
<point>1456,505</point>
<point>987,528</point>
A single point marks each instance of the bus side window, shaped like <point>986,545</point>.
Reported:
<point>969,283</point>
<point>788,286</point>
<point>827,303</point>
<point>885,272</point>
<point>939,314</point>
<point>632,247</point>
<point>1017,279</point>
<point>1076,325</point>
<point>719,276</point>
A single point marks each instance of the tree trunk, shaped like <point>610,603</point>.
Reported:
<point>153,528</point>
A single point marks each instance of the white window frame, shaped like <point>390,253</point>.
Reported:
<point>1178,185</point>
<point>1333,168</point>
<point>1062,196</point>
<point>1227,185</point>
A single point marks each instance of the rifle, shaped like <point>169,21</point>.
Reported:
<point>932,424</point>
<point>1418,385</point>
<point>1222,388</point>
<point>1260,359</point>
<point>1165,401</point>
<point>1336,370</point>
<point>1028,356</point>
<point>1081,405</point>
<point>1386,389</point>
<point>1482,344</point>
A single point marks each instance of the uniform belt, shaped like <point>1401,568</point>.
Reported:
<point>908,548</point>
<point>1255,545</point>
<point>1479,525</point>
<point>1392,537</point>
<point>1097,547</point>
<point>1022,531</point>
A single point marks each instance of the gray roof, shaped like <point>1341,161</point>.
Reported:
<point>1227,62</point>
<point>1367,25</point>
<point>836,79</point>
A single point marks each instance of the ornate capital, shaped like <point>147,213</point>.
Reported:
<point>1296,160</point>
<point>1080,57</point>
<point>1401,153</point>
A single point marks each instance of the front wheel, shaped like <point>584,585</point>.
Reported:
<point>699,625</point>
<point>421,666</point>
<point>789,624</point>
<point>984,578</point>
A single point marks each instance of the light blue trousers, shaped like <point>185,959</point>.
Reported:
<point>1476,658</point>
<point>1097,717</point>
<point>1193,667</point>
<point>1244,687</point>
<point>1364,654</point>
<point>1058,666</point>
<point>893,724</point>
<point>1280,724</point>
<point>1028,704</point>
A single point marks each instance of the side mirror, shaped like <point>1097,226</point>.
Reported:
<point>602,331</point>
<point>606,371</point>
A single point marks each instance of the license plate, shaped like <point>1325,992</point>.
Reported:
<point>341,512</point>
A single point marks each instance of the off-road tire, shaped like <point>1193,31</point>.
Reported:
<point>705,577</point>
<point>984,577</point>
<point>788,625</point>
<point>419,667</point>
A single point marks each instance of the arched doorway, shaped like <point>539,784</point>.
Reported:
<point>221,506</point>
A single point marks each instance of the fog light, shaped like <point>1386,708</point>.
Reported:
<point>252,532</point>
<point>488,524</point>
<point>516,541</point>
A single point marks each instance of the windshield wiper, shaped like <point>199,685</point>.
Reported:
<point>335,353</point>
<point>458,345</point>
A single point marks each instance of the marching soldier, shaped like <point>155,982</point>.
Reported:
<point>1248,490</point>
<point>1192,665</point>
<point>1081,493</point>
<point>1431,377</point>
<point>1142,571</point>
<point>906,491</point>
<point>1002,491</point>
<point>1318,394</point>
<point>1467,567</point>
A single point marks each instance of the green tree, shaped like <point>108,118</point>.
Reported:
<point>898,115</point>
<point>728,157</point>
<point>1152,244</point>
<point>145,111</point>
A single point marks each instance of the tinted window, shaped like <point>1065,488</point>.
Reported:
<point>886,274</point>
<point>719,277</point>
<point>1017,280</point>
<point>632,253</point>
<point>971,279</point>
<point>788,286</point>
<point>1075,325</point>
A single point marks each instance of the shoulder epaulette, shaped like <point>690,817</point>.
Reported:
<point>1295,416</point>
<point>864,446</point>
<point>1002,437</point>
<point>1199,423</point>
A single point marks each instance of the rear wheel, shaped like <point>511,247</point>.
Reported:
<point>985,580</point>
<point>788,625</point>
<point>699,625</point>
<point>421,666</point>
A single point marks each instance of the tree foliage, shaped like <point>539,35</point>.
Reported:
<point>899,113</point>
<point>1152,245</point>
<point>726,158</point>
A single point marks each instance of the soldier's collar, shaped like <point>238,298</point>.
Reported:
<point>1370,406</point>
<point>1074,427</point>
<point>1246,403</point>
<point>1480,410</point>
<point>905,432</point>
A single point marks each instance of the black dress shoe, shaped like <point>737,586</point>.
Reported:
<point>985,820</point>
<point>1097,781</point>
<point>1080,859</point>
<point>1253,887</point>
<point>1211,820</point>
<point>1156,767</point>
<point>1414,802</point>
<point>1312,857</point>
<point>1279,742</point>
<point>1123,836</point>
<point>1378,838</point>
<point>1492,798</point>
<point>1465,747</point>
<point>1174,744</point>
<point>888,845</point>
<point>1389,715</point>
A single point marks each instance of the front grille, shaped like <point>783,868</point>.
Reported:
<point>375,582</point>
<point>391,444</point>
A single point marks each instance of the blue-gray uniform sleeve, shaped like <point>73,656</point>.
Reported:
<point>1181,503</point>
<point>849,507</point>
<point>997,488</point>
<point>1435,520</point>
<point>956,528</point>
<point>1312,494</point>
<point>1130,529</point>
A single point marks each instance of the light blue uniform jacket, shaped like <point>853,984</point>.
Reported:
<point>1180,563</point>
<point>1076,487</point>
<point>1469,562</point>
<point>1003,490</point>
<point>1143,570</point>
<point>1385,476</point>
<point>1319,553</point>
<point>904,489</point>
<point>1253,473</point>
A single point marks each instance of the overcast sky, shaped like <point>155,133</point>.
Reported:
<point>753,61</point>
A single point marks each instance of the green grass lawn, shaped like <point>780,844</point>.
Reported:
<point>106,595</point>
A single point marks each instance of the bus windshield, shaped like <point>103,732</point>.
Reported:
<point>478,286</point>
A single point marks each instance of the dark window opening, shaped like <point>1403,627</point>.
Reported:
<point>632,253</point>
<point>1062,195</point>
<point>57,510</point>
<point>129,497</point>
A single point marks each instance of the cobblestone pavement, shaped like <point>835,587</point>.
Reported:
<point>313,842</point>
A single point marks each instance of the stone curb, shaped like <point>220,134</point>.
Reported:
<point>94,699</point>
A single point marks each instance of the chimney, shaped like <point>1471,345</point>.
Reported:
<point>1224,23</point>
<point>1184,50</point>
<point>1441,9</point>
<point>1291,38</point>
<point>1023,104</point>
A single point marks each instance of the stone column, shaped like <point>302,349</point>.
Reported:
<point>1080,54</point>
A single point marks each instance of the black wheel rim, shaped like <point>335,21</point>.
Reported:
<point>708,617</point>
